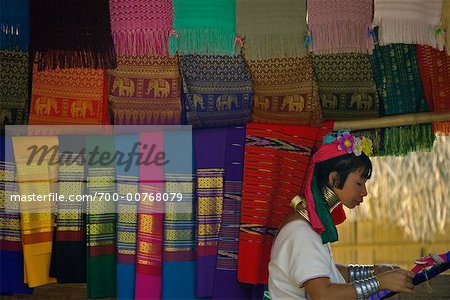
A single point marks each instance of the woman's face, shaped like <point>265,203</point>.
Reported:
<point>354,189</point>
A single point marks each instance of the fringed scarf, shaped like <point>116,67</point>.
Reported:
<point>399,141</point>
<point>150,221</point>
<point>396,74</point>
<point>179,257</point>
<point>14,87</point>
<point>217,90</point>
<point>346,86</point>
<point>11,251</point>
<point>285,92</point>
<point>141,27</point>
<point>36,218</point>
<point>408,22</point>
<point>127,187</point>
<point>275,164</point>
<point>71,34</point>
<point>209,153</point>
<point>203,27</point>
<point>69,97</point>
<point>340,26</point>
<point>271,28</point>
<point>226,285</point>
<point>15,24</point>
<point>101,219</point>
<point>68,262</point>
<point>145,90</point>
<point>435,73</point>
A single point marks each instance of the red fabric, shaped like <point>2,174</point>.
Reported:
<point>434,68</point>
<point>275,165</point>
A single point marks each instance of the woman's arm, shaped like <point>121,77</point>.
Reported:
<point>343,269</point>
<point>398,280</point>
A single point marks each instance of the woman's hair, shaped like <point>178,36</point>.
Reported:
<point>343,165</point>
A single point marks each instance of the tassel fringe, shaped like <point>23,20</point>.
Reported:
<point>442,128</point>
<point>206,41</point>
<point>341,37</point>
<point>402,31</point>
<point>104,58</point>
<point>141,42</point>
<point>399,141</point>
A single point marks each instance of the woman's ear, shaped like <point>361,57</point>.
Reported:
<point>333,179</point>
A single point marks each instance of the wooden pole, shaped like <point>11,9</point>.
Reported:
<point>392,121</point>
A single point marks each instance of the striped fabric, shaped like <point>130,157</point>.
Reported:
<point>11,252</point>
<point>101,221</point>
<point>226,285</point>
<point>150,221</point>
<point>69,241</point>
<point>179,266</point>
<point>275,164</point>
<point>209,153</point>
<point>127,185</point>
<point>36,219</point>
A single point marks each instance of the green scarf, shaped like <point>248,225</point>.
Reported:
<point>323,211</point>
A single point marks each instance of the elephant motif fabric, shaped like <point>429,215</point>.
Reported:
<point>68,97</point>
<point>217,90</point>
<point>145,90</point>
<point>346,86</point>
<point>285,92</point>
<point>14,94</point>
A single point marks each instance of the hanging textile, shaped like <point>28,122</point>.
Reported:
<point>271,28</point>
<point>209,153</point>
<point>434,68</point>
<point>36,219</point>
<point>446,21</point>
<point>346,86</point>
<point>15,25</point>
<point>226,285</point>
<point>71,34</point>
<point>127,185</point>
<point>145,90</point>
<point>68,97</point>
<point>101,219</point>
<point>11,252</point>
<point>217,90</point>
<point>340,26</point>
<point>396,74</point>
<point>408,22</point>
<point>150,220</point>
<point>179,265</point>
<point>399,141</point>
<point>68,263</point>
<point>141,27</point>
<point>14,94</point>
<point>203,27</point>
<point>275,165</point>
<point>285,92</point>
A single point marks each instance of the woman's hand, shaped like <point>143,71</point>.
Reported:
<point>379,269</point>
<point>398,280</point>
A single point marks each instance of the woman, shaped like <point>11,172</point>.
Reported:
<point>301,264</point>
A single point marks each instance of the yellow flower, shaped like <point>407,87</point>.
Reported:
<point>366,146</point>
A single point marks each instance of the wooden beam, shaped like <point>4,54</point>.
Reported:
<point>392,121</point>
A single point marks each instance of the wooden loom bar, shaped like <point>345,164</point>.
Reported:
<point>392,121</point>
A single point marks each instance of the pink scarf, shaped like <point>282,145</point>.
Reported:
<point>141,27</point>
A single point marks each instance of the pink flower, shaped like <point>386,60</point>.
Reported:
<point>346,142</point>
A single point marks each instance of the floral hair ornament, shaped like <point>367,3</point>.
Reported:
<point>350,143</point>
